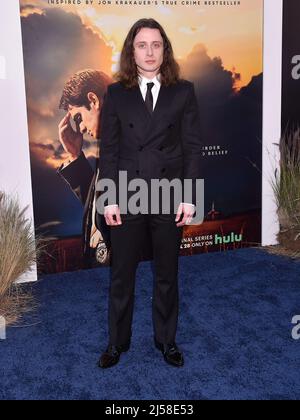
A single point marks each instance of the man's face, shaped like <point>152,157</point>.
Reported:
<point>87,119</point>
<point>149,51</point>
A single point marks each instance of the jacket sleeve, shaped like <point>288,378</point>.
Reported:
<point>191,140</point>
<point>79,176</point>
<point>109,142</point>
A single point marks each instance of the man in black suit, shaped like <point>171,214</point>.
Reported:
<point>82,99</point>
<point>149,128</point>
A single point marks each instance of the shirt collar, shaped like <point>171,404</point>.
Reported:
<point>143,81</point>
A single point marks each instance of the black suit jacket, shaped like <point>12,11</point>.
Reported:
<point>166,144</point>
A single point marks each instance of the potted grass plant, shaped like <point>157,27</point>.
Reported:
<point>18,252</point>
<point>286,187</point>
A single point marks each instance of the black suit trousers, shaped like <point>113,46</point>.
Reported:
<point>127,241</point>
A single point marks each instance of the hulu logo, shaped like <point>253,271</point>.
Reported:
<point>228,239</point>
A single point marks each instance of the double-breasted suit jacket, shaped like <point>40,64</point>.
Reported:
<point>164,144</point>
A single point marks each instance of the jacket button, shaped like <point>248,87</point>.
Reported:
<point>137,172</point>
<point>131,125</point>
<point>163,170</point>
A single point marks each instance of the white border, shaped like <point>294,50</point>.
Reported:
<point>15,175</point>
<point>273,12</point>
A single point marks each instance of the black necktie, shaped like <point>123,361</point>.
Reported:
<point>149,97</point>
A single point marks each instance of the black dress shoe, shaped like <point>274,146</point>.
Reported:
<point>171,353</point>
<point>112,355</point>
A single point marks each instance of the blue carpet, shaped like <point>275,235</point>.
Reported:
<point>235,330</point>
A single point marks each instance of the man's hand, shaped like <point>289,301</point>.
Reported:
<point>110,212</point>
<point>188,211</point>
<point>72,141</point>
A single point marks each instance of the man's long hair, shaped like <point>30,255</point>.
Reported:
<point>128,73</point>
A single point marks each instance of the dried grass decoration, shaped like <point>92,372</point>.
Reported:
<point>17,255</point>
<point>287,192</point>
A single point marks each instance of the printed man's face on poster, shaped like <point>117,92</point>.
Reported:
<point>87,118</point>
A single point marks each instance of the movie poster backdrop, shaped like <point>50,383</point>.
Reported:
<point>218,45</point>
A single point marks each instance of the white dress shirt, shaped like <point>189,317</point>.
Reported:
<point>155,90</point>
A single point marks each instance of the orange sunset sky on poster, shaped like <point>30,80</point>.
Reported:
<point>232,32</point>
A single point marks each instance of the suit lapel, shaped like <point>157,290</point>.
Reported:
<point>163,101</point>
<point>138,106</point>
